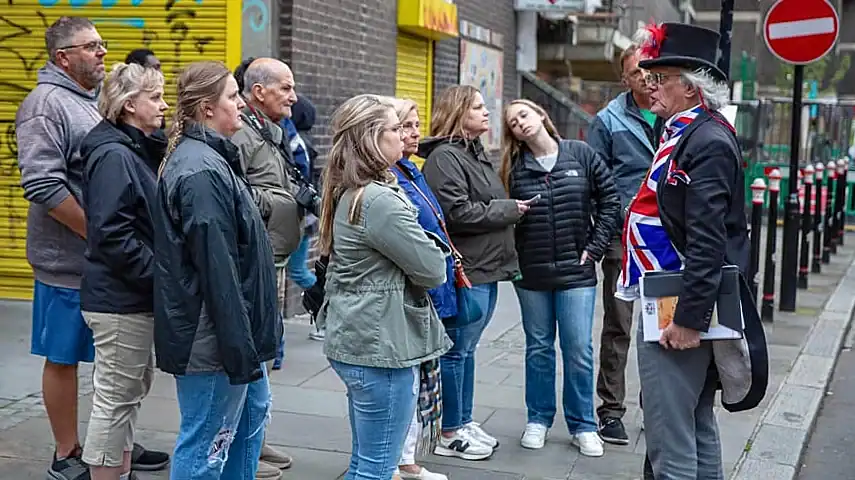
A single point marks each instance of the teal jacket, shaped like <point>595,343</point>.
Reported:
<point>377,311</point>
<point>627,143</point>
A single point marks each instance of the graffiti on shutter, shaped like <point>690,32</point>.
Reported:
<point>178,31</point>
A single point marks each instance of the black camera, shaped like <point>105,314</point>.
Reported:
<point>308,198</point>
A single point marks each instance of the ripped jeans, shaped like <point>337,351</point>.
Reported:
<point>222,427</point>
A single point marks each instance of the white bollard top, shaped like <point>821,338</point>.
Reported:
<point>775,180</point>
<point>832,169</point>
<point>758,188</point>
<point>808,173</point>
<point>820,168</point>
<point>841,166</point>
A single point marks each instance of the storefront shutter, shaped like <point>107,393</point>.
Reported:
<point>179,32</point>
<point>414,76</point>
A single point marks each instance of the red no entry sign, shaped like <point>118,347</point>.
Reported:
<point>801,31</point>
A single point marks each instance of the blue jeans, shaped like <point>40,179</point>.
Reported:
<point>298,268</point>
<point>457,366</point>
<point>571,312</point>
<point>222,427</point>
<point>380,403</point>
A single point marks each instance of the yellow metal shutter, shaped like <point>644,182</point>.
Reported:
<point>414,76</point>
<point>178,31</point>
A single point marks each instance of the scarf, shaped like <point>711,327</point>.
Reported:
<point>647,247</point>
<point>429,406</point>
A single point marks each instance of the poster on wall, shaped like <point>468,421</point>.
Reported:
<point>481,67</point>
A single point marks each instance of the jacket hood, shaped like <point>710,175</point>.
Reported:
<point>303,114</point>
<point>51,74</point>
<point>429,144</point>
<point>151,148</point>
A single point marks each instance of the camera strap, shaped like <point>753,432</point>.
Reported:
<point>291,168</point>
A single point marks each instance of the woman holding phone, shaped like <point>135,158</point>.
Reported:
<point>572,198</point>
<point>480,219</point>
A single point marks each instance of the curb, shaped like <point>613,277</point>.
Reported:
<point>775,448</point>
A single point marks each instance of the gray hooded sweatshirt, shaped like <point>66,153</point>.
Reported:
<point>50,125</point>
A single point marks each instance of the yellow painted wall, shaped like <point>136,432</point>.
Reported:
<point>178,31</point>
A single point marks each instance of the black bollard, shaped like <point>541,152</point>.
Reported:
<point>758,190</point>
<point>807,226</point>
<point>828,227</point>
<point>816,265</point>
<point>767,311</point>
<point>840,203</point>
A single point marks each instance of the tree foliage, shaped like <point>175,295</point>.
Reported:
<point>828,72</point>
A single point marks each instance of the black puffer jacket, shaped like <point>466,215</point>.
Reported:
<point>214,279</point>
<point>577,212</point>
<point>119,182</point>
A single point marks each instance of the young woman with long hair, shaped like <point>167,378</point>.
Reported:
<point>480,219</point>
<point>559,241</point>
<point>380,323</point>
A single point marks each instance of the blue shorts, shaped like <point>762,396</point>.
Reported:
<point>59,332</point>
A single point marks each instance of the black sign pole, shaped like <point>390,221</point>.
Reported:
<point>790,254</point>
<point>725,28</point>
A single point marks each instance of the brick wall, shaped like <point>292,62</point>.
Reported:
<point>498,16</point>
<point>337,49</point>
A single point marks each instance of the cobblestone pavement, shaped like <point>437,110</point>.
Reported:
<point>310,408</point>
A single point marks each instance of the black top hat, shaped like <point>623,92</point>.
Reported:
<point>683,45</point>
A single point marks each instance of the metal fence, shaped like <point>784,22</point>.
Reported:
<point>570,120</point>
<point>764,128</point>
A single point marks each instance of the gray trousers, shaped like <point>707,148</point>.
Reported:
<point>678,393</point>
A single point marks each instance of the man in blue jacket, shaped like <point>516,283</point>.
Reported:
<point>623,133</point>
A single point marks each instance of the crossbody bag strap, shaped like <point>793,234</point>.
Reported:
<point>435,212</point>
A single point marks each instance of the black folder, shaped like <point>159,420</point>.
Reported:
<point>728,307</point>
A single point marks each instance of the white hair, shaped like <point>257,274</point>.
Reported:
<point>715,93</point>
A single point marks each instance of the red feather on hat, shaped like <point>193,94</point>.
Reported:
<point>655,35</point>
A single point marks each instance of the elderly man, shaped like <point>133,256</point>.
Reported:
<point>623,134</point>
<point>267,85</point>
<point>689,215</point>
<point>50,125</point>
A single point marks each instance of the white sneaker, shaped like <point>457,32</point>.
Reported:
<point>317,335</point>
<point>534,436</point>
<point>462,445</point>
<point>590,444</point>
<point>479,434</point>
<point>424,474</point>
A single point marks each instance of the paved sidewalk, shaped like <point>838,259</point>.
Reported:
<point>310,408</point>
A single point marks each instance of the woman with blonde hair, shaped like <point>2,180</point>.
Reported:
<point>380,323</point>
<point>120,156</point>
<point>577,205</point>
<point>216,320</point>
<point>444,299</point>
<point>480,219</point>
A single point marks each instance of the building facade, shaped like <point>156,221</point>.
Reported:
<point>179,33</point>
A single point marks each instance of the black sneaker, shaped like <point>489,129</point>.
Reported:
<point>69,468</point>
<point>612,431</point>
<point>148,460</point>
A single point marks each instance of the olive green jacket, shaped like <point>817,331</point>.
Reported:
<point>377,311</point>
<point>267,173</point>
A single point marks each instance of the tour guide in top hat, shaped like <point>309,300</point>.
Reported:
<point>688,214</point>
